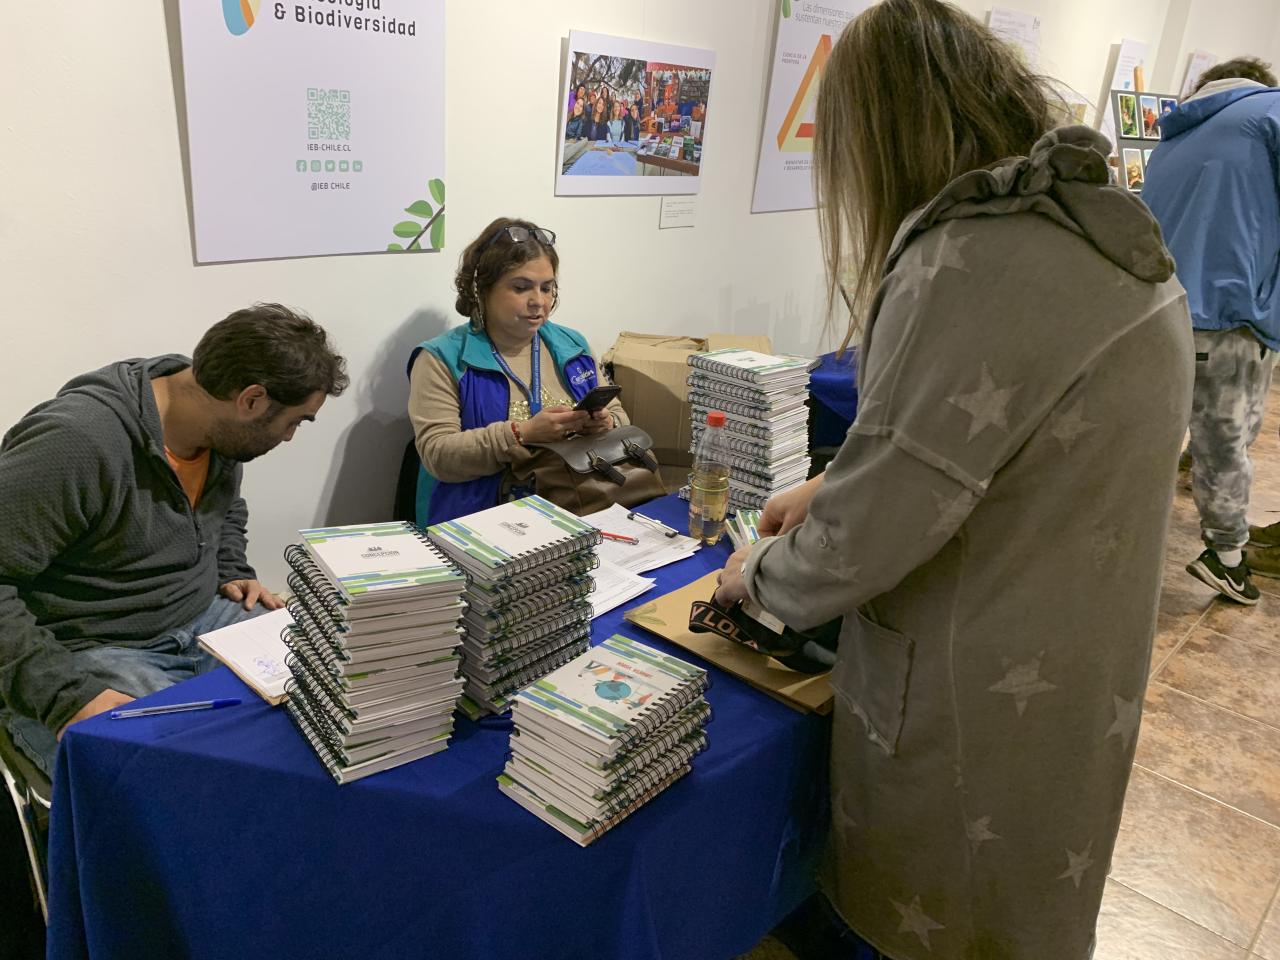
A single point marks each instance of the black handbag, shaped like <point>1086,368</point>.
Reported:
<point>587,474</point>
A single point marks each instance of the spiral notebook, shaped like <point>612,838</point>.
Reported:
<point>368,562</point>
<point>255,652</point>
<point>751,366</point>
<point>612,696</point>
<point>513,538</point>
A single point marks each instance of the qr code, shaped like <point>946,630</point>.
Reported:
<point>328,114</point>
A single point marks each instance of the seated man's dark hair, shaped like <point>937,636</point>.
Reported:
<point>1241,68</point>
<point>285,352</point>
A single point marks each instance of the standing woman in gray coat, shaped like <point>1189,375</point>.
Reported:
<point>992,529</point>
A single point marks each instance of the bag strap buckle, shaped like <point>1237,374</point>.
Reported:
<point>606,469</point>
<point>640,455</point>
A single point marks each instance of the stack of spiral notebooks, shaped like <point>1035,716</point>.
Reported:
<point>374,647</point>
<point>603,735</point>
<point>528,566</point>
<point>765,402</point>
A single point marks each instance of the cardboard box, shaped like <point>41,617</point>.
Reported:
<point>651,370</point>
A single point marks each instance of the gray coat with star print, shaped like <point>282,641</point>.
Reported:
<point>992,533</point>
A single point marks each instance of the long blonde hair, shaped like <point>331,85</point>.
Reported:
<point>916,93</point>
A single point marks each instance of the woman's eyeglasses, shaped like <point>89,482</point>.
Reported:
<point>521,234</point>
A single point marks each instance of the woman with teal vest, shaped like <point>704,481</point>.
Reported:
<point>481,391</point>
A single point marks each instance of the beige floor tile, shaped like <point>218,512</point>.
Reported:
<point>1170,632</point>
<point>1182,596</point>
<point>1214,865</point>
<point>1268,945</point>
<point>1259,624</point>
<point>1131,927</point>
<point>1236,674</point>
<point>1212,750</point>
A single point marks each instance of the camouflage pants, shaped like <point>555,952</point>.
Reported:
<point>1233,374</point>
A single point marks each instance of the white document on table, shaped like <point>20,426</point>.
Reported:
<point>654,550</point>
<point>255,652</point>
<point>614,587</point>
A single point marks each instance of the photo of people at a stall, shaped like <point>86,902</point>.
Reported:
<point>630,117</point>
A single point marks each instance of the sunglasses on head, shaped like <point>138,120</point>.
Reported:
<point>520,234</point>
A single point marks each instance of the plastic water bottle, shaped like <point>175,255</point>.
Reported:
<point>709,486</point>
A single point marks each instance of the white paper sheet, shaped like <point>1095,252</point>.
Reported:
<point>654,550</point>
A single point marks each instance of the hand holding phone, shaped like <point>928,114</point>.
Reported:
<point>599,398</point>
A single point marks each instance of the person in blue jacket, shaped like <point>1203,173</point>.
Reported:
<point>508,377</point>
<point>1212,185</point>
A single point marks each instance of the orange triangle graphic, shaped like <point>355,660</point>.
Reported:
<point>794,136</point>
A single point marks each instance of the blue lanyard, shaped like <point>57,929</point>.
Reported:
<point>534,390</point>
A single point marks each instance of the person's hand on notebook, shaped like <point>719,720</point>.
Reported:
<point>789,509</point>
<point>250,592</point>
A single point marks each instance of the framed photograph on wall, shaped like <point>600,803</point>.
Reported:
<point>1149,107</point>
<point>634,117</point>
<point>1127,111</point>
<point>1132,168</point>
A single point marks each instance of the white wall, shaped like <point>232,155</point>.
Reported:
<point>95,252</point>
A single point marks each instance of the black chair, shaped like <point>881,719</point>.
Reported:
<point>32,796</point>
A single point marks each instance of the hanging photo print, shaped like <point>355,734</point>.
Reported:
<point>634,117</point>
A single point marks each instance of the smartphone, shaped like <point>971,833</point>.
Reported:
<point>599,398</point>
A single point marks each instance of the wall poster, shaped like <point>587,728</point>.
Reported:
<point>806,33</point>
<point>315,127</point>
<point>634,117</point>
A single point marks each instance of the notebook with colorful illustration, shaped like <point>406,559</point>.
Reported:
<point>613,695</point>
<point>513,538</point>
<point>367,562</point>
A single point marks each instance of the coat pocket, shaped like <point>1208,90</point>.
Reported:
<point>873,667</point>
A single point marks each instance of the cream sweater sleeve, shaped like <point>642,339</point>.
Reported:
<point>450,453</point>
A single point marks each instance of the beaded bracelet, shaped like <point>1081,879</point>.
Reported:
<point>515,432</point>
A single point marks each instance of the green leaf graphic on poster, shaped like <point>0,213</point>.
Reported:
<point>413,231</point>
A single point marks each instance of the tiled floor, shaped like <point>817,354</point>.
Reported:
<point>1196,872</point>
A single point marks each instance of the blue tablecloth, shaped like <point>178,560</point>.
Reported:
<point>219,834</point>
<point>601,163</point>
<point>834,389</point>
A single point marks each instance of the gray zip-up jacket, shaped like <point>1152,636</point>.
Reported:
<point>98,543</point>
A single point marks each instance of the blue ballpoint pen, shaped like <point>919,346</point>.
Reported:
<point>175,708</point>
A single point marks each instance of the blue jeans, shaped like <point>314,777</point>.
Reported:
<point>136,671</point>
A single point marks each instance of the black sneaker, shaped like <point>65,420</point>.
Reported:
<point>1232,582</point>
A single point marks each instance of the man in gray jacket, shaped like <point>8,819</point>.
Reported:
<point>122,529</point>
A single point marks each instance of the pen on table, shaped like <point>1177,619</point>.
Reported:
<point>658,524</point>
<point>175,708</point>
<point>620,538</point>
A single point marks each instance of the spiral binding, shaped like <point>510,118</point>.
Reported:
<point>493,671</point>
<point>734,391</point>
<point>755,446</point>
<point>535,671</point>
<point>663,709</point>
<point>796,421</point>
<point>736,408</point>
<point>496,620</point>
<point>645,779</point>
<point>721,368</point>
<point>687,723</point>
<point>517,588</point>
<point>556,618</point>
<point>603,826</point>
